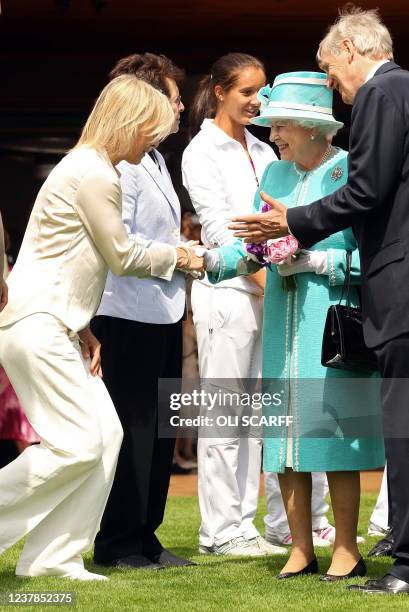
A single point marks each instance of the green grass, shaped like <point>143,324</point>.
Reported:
<point>215,584</point>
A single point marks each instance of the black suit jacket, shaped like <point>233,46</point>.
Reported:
<point>375,202</point>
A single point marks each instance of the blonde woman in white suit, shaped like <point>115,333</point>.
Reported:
<point>55,492</point>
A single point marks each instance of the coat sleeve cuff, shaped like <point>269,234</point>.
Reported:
<point>163,262</point>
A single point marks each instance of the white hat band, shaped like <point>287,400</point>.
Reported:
<point>303,107</point>
<point>296,80</point>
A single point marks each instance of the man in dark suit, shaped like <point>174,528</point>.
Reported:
<point>357,56</point>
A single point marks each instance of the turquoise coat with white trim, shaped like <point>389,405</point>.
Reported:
<point>335,414</point>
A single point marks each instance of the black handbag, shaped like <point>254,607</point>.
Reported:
<point>343,344</point>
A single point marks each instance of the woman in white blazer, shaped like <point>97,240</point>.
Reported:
<point>55,492</point>
<point>144,313</point>
<point>222,167</point>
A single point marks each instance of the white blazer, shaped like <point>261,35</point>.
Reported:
<point>74,234</point>
<point>151,214</point>
<point>221,183</point>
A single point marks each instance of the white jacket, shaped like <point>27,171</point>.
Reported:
<point>221,183</point>
<point>151,214</point>
<point>75,233</point>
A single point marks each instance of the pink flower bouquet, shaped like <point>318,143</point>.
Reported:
<point>275,251</point>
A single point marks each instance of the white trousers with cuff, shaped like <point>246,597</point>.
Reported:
<point>228,325</point>
<point>380,514</point>
<point>275,520</point>
<point>55,492</point>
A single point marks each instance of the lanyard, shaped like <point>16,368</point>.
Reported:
<point>254,169</point>
<point>251,163</point>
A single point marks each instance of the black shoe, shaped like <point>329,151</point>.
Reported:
<point>311,568</point>
<point>383,548</point>
<point>165,558</point>
<point>388,585</point>
<point>131,562</point>
<point>358,570</point>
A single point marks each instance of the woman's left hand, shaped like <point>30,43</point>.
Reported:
<point>91,349</point>
<point>305,261</point>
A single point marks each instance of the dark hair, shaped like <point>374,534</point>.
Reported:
<point>224,72</point>
<point>151,68</point>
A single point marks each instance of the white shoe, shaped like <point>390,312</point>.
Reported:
<point>237,547</point>
<point>322,538</point>
<point>327,534</point>
<point>375,530</point>
<point>278,539</point>
<point>266,547</point>
<point>287,540</point>
<point>84,575</point>
<point>81,574</point>
<point>322,542</point>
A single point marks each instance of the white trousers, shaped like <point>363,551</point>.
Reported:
<point>276,519</point>
<point>56,491</point>
<point>228,326</point>
<point>380,514</point>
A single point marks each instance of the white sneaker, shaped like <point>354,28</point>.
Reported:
<point>237,547</point>
<point>287,540</point>
<point>278,539</point>
<point>81,574</point>
<point>84,575</point>
<point>327,534</point>
<point>375,530</point>
<point>318,538</point>
<point>322,538</point>
<point>266,547</point>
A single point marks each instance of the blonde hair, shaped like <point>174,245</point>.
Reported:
<point>124,107</point>
<point>365,29</point>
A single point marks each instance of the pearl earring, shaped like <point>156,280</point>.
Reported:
<point>312,137</point>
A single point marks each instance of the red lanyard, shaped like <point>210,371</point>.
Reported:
<point>254,169</point>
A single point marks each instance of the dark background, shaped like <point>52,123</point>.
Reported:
<point>55,56</point>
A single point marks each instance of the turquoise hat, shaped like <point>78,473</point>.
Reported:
<point>297,95</point>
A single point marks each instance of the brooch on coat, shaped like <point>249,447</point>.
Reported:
<point>337,173</point>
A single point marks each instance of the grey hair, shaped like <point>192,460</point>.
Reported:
<point>365,29</point>
<point>326,130</point>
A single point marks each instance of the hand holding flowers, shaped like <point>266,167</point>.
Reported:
<point>275,251</point>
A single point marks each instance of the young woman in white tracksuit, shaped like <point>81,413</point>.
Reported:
<point>222,167</point>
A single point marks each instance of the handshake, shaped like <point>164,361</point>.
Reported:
<point>191,259</point>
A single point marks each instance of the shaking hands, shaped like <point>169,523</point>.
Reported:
<point>190,259</point>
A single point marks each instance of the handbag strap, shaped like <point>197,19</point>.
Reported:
<point>347,281</point>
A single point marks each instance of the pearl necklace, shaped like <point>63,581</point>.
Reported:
<point>328,153</point>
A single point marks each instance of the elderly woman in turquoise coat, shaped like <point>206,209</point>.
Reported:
<point>324,404</point>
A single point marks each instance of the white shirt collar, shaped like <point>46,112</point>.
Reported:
<point>220,137</point>
<point>371,73</point>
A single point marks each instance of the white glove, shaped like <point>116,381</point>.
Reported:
<point>212,260</point>
<point>306,261</point>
